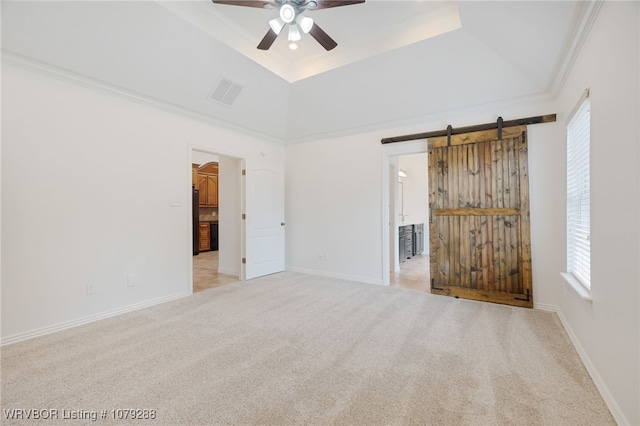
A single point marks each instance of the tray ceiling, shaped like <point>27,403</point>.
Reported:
<point>361,31</point>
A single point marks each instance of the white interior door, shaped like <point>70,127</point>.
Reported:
<point>264,221</point>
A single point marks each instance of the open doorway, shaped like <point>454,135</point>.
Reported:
<point>215,220</point>
<point>409,214</point>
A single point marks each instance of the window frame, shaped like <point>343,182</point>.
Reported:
<point>578,198</point>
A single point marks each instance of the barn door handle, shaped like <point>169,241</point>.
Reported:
<point>432,212</point>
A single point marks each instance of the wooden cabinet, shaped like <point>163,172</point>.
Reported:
<point>212,190</point>
<point>194,175</point>
<point>205,236</point>
<point>202,188</point>
<point>208,238</point>
<point>208,184</point>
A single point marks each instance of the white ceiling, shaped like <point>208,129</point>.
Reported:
<point>361,30</point>
<point>388,66</point>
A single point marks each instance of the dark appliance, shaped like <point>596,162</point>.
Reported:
<point>195,219</point>
<point>214,236</point>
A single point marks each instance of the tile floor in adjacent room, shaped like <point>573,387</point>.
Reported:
<point>413,274</point>
<point>205,272</point>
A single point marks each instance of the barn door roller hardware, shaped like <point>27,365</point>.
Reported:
<point>499,125</point>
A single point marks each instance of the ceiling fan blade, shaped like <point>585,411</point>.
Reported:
<point>321,37</point>
<point>268,40</point>
<point>325,4</point>
<point>247,3</point>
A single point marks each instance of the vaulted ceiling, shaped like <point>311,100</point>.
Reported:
<point>395,60</point>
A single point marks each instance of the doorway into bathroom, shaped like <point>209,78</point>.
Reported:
<point>409,202</point>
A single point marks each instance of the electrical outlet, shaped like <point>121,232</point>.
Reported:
<point>91,288</point>
<point>131,280</point>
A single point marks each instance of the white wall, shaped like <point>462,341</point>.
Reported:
<point>87,182</point>
<point>416,188</point>
<point>333,206</point>
<point>607,331</point>
<point>335,191</point>
<point>229,232</point>
<point>201,158</point>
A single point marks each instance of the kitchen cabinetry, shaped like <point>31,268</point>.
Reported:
<point>208,186</point>
<point>208,236</point>
<point>205,236</point>
<point>207,176</point>
<point>194,175</point>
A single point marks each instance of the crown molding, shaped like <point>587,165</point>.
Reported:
<point>51,71</point>
<point>444,115</point>
<point>588,14</point>
<point>8,58</point>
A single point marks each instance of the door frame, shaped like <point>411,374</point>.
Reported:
<point>390,151</point>
<point>240,231</point>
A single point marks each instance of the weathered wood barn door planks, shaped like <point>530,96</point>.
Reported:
<point>480,243</point>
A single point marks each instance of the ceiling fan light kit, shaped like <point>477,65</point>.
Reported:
<point>290,13</point>
<point>276,25</point>
<point>305,24</point>
<point>294,33</point>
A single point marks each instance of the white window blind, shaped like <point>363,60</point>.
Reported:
<point>578,193</point>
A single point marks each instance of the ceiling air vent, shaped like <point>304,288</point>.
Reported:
<point>226,91</point>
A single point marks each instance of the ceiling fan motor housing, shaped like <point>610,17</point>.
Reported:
<point>287,13</point>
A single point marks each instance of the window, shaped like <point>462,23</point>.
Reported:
<point>578,193</point>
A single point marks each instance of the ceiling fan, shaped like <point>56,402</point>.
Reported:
<point>290,14</point>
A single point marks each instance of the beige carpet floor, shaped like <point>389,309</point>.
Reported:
<point>291,349</point>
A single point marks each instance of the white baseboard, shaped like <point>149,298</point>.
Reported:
<point>89,319</point>
<point>617,413</point>
<point>334,275</point>
<point>545,307</point>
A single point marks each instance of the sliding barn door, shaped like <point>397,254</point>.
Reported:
<point>479,223</point>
